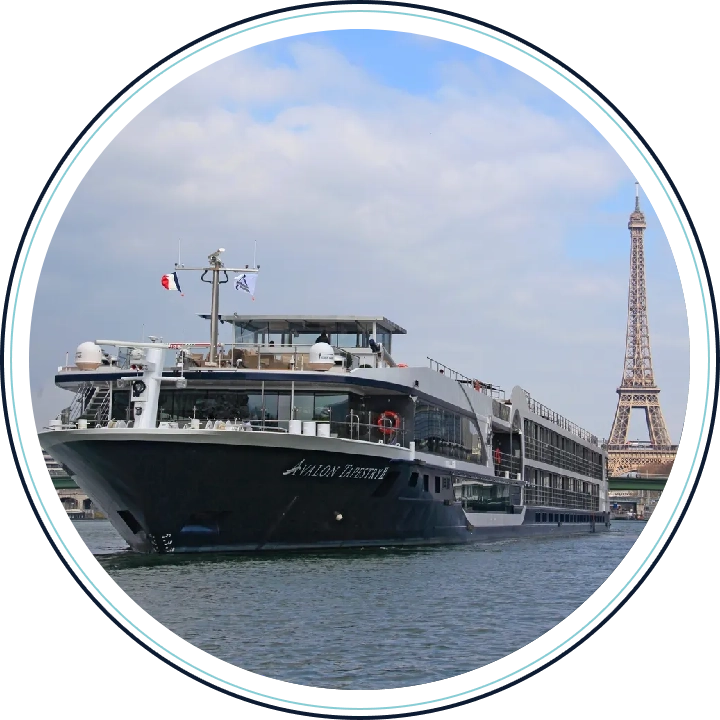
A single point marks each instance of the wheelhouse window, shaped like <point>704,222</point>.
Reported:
<point>345,335</point>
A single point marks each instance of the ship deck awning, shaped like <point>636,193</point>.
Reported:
<point>311,323</point>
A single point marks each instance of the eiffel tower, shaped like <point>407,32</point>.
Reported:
<point>638,389</point>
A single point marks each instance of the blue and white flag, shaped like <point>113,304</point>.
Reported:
<point>246,283</point>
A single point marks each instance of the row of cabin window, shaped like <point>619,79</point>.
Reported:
<point>536,451</point>
<point>543,478</point>
<point>564,518</point>
<point>558,440</point>
<point>444,482</point>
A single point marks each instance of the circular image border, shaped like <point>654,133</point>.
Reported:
<point>12,380</point>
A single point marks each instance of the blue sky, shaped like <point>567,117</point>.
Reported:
<point>384,173</point>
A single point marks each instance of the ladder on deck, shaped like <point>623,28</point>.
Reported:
<point>98,409</point>
<point>91,403</point>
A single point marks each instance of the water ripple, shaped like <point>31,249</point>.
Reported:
<point>366,619</point>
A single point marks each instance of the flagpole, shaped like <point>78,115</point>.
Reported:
<point>255,255</point>
<point>215,268</point>
<point>214,305</point>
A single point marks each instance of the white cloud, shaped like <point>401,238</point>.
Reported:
<point>448,213</point>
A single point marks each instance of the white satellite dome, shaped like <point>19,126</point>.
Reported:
<point>321,357</point>
<point>88,356</point>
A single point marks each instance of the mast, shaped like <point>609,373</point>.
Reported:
<point>215,264</point>
<point>216,267</point>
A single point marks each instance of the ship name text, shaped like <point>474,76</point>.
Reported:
<point>303,469</point>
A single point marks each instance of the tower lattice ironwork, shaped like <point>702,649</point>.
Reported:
<point>638,389</point>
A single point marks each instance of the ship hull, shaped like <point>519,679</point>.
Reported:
<point>214,491</point>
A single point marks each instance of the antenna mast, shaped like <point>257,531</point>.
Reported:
<point>215,267</point>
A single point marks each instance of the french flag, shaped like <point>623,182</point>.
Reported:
<point>170,282</point>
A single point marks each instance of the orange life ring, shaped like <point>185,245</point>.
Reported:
<point>401,365</point>
<point>388,429</point>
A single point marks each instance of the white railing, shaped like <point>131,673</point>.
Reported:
<point>486,388</point>
<point>547,414</point>
<point>246,356</point>
<point>349,429</point>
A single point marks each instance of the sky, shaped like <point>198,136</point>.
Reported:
<point>378,173</point>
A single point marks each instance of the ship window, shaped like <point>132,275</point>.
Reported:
<point>447,433</point>
<point>437,484</point>
<point>538,517</point>
<point>271,406</point>
<point>120,401</point>
<point>413,479</point>
<point>544,517</point>
<point>304,407</point>
<point>347,340</point>
<point>219,404</point>
<point>244,335</point>
<point>331,407</point>
<point>426,483</point>
<point>384,338</point>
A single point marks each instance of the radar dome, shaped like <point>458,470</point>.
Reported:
<point>88,356</point>
<point>322,357</point>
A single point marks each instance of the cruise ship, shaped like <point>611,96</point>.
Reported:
<point>305,433</point>
<point>288,443</point>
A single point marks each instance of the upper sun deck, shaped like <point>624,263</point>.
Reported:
<point>342,331</point>
<point>268,342</point>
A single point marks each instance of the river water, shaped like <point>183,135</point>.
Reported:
<point>366,619</point>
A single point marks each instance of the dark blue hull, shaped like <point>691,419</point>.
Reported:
<point>169,496</point>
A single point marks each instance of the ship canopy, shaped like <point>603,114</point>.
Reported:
<point>344,331</point>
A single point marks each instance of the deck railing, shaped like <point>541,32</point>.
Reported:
<point>547,414</point>
<point>485,388</point>
<point>351,428</point>
<point>243,356</point>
